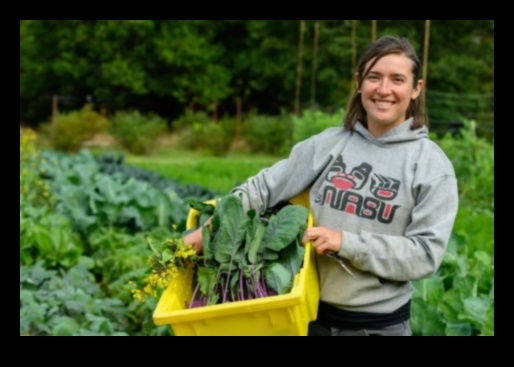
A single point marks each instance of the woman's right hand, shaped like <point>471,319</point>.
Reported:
<point>195,240</point>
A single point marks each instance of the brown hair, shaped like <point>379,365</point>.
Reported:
<point>383,46</point>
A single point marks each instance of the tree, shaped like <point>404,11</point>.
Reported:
<point>163,66</point>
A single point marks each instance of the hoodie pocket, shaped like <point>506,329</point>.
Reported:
<point>339,287</point>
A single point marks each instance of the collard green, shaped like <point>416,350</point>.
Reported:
<point>249,255</point>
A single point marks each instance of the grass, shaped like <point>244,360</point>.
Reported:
<point>189,167</point>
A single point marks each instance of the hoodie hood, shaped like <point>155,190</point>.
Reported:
<point>399,134</point>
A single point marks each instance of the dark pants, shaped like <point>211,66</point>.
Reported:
<point>401,329</point>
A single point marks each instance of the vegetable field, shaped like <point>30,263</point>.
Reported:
<point>85,220</point>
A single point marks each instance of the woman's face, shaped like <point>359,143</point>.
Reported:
<point>386,92</point>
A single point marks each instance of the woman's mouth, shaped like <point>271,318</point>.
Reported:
<point>382,103</point>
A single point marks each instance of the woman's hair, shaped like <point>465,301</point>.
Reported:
<point>385,46</point>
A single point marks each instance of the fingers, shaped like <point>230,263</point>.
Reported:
<point>315,234</point>
<point>310,234</point>
<point>320,246</point>
<point>323,239</point>
<point>195,240</point>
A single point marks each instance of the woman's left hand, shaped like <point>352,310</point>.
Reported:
<point>323,239</point>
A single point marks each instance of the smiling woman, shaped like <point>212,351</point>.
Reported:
<point>383,196</point>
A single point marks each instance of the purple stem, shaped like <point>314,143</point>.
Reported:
<point>251,295</point>
<point>241,294</point>
<point>228,280</point>
<point>194,295</point>
<point>255,285</point>
<point>263,281</point>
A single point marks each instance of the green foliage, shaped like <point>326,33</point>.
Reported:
<point>243,249</point>
<point>473,160</point>
<point>74,128</point>
<point>191,55</point>
<point>465,68</point>
<point>137,132</point>
<point>459,300</point>
<point>92,199</point>
<point>48,237</point>
<point>268,134</point>
<point>313,121</point>
<point>117,253</point>
<point>113,164</point>
<point>188,119</point>
<point>66,303</point>
<point>120,259</point>
<point>44,235</point>
<point>166,65</point>
<point>209,137</point>
<point>34,190</point>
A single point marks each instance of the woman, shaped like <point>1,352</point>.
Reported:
<point>384,198</point>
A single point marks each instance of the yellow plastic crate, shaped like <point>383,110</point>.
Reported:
<point>286,314</point>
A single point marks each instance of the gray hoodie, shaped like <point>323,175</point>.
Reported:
<point>394,198</point>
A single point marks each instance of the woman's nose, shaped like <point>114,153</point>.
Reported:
<point>383,87</point>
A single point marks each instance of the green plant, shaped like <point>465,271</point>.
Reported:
<point>34,189</point>
<point>66,303</point>
<point>137,132</point>
<point>473,160</point>
<point>169,257</point>
<point>248,256</point>
<point>314,121</point>
<point>267,134</point>
<point>92,199</point>
<point>188,119</point>
<point>48,237</point>
<point>113,164</point>
<point>459,299</point>
<point>209,137</point>
<point>74,128</point>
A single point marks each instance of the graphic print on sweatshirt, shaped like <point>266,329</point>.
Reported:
<point>346,189</point>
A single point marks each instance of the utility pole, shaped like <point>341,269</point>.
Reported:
<point>299,70</point>
<point>314,64</point>
<point>425,57</point>
<point>353,39</point>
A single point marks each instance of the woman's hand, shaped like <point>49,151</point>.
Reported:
<point>323,239</point>
<point>195,240</point>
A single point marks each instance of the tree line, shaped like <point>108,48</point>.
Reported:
<point>168,66</point>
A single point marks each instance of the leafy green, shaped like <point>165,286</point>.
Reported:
<point>247,256</point>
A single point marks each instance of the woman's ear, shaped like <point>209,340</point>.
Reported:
<point>417,90</point>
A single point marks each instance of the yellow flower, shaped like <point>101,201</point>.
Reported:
<point>161,274</point>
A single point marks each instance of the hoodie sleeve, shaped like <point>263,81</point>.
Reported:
<point>420,252</point>
<point>285,179</point>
